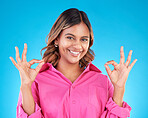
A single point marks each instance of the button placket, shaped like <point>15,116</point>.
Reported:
<point>73,86</point>
<point>73,100</point>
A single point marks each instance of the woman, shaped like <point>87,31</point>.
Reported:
<point>66,84</point>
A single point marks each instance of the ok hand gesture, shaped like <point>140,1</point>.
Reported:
<point>27,74</point>
<point>120,73</point>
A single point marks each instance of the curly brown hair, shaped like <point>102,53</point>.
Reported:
<point>68,18</point>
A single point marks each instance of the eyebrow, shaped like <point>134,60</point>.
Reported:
<point>75,36</point>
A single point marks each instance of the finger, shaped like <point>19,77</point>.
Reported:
<point>37,69</point>
<point>17,55</point>
<point>15,64</point>
<point>24,52</point>
<point>132,64</point>
<point>129,58</point>
<point>34,61</point>
<point>108,70</point>
<point>113,63</point>
<point>122,58</point>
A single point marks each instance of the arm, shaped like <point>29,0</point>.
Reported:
<point>28,103</point>
<point>115,106</point>
<point>112,109</point>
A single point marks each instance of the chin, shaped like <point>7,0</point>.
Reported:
<point>73,62</point>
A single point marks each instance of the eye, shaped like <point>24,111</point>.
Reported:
<point>84,39</point>
<point>70,37</point>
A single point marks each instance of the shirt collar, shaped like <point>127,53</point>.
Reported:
<point>90,67</point>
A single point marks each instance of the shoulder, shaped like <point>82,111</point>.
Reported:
<point>44,71</point>
<point>96,70</point>
<point>100,78</point>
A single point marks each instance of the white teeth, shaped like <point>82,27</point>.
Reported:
<point>74,52</point>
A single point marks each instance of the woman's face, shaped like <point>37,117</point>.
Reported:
<point>73,43</point>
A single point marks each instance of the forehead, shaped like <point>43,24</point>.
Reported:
<point>78,30</point>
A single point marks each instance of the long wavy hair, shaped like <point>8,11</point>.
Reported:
<point>68,18</point>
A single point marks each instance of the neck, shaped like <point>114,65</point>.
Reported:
<point>71,71</point>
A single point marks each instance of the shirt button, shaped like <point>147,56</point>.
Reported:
<point>73,102</point>
<point>73,87</point>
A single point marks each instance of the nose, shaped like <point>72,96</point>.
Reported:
<point>77,45</point>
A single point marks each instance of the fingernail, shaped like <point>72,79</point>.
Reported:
<point>9,57</point>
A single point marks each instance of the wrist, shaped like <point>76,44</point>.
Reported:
<point>25,87</point>
<point>26,84</point>
<point>118,95</point>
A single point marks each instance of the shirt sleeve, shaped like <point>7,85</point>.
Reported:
<point>112,110</point>
<point>21,113</point>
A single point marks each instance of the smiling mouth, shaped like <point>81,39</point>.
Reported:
<point>74,53</point>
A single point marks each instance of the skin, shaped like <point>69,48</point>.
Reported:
<point>27,75</point>
<point>69,65</point>
<point>119,75</point>
<point>75,38</point>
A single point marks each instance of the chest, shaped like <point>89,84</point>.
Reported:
<point>73,76</point>
<point>59,98</point>
<point>67,101</point>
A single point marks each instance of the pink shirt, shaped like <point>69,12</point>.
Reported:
<point>89,96</point>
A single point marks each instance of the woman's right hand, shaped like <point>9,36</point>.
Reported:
<point>27,74</point>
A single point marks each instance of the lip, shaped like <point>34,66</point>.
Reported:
<point>73,54</point>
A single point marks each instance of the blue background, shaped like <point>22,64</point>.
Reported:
<point>115,23</point>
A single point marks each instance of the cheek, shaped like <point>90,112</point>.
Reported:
<point>85,47</point>
<point>63,46</point>
<point>65,43</point>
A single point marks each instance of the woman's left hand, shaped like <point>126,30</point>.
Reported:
<point>120,73</point>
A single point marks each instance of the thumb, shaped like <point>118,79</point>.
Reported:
<point>39,67</point>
